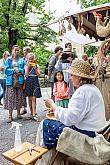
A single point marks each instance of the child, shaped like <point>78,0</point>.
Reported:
<point>32,89</point>
<point>92,66</point>
<point>60,90</point>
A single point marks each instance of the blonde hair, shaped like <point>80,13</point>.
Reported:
<point>30,56</point>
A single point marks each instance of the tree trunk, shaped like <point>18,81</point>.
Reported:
<point>12,34</point>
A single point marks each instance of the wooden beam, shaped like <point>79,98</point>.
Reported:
<point>100,9</point>
<point>86,23</point>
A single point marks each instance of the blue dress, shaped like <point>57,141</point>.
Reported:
<point>32,84</point>
<point>52,129</point>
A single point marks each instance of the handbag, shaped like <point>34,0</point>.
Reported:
<point>24,85</point>
<point>15,81</point>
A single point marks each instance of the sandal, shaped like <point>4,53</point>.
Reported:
<point>35,118</point>
<point>10,120</point>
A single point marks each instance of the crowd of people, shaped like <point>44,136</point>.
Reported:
<point>85,112</point>
<point>75,100</point>
<point>19,78</point>
<point>82,108</point>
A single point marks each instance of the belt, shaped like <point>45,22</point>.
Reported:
<point>32,75</point>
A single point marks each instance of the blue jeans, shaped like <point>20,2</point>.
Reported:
<point>3,84</point>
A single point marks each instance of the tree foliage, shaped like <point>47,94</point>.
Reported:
<point>42,57</point>
<point>88,3</point>
<point>90,50</point>
<point>15,27</point>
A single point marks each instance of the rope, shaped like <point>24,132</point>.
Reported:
<point>101,55</point>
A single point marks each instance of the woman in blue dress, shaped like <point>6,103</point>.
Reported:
<point>32,90</point>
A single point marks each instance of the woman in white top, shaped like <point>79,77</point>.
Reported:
<point>85,112</point>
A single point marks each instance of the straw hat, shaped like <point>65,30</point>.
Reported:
<point>67,50</point>
<point>80,68</point>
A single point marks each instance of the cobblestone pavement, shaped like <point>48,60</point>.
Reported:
<point>28,129</point>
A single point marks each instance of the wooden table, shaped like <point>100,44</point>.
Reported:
<point>25,157</point>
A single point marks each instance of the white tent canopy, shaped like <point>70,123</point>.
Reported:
<point>97,44</point>
<point>72,35</point>
<point>78,40</point>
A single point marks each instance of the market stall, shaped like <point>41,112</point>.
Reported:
<point>94,22</point>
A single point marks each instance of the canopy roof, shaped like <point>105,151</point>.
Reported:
<point>85,20</point>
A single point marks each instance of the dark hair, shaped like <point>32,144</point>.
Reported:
<point>27,48</point>
<point>58,48</point>
<point>55,79</point>
<point>86,81</point>
<point>15,46</point>
<point>66,45</point>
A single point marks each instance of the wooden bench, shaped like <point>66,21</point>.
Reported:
<point>29,154</point>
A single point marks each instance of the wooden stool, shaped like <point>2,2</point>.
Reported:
<point>29,154</point>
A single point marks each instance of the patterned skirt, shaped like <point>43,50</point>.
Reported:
<point>14,98</point>
<point>52,130</point>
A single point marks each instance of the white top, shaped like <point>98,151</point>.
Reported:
<point>2,74</point>
<point>85,109</point>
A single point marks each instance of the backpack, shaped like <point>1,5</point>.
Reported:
<point>46,68</point>
<point>47,64</point>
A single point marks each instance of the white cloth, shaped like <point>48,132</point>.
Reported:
<point>83,148</point>
<point>39,136</point>
<point>85,109</point>
<point>2,75</point>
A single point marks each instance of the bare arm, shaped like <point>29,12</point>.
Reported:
<point>38,71</point>
<point>26,68</point>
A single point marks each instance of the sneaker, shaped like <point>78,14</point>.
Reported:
<point>34,118</point>
<point>23,112</point>
<point>19,117</point>
<point>10,120</point>
<point>1,104</point>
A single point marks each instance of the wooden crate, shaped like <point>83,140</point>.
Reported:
<point>24,157</point>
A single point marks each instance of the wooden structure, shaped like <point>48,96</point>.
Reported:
<point>29,154</point>
<point>85,22</point>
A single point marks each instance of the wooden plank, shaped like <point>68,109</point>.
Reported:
<point>24,157</point>
<point>87,24</point>
<point>100,9</point>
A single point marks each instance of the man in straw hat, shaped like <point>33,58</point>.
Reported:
<point>85,112</point>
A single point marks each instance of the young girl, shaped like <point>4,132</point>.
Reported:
<point>32,89</point>
<point>60,90</point>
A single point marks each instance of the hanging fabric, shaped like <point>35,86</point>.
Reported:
<point>62,28</point>
<point>80,29</point>
<point>69,24</point>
